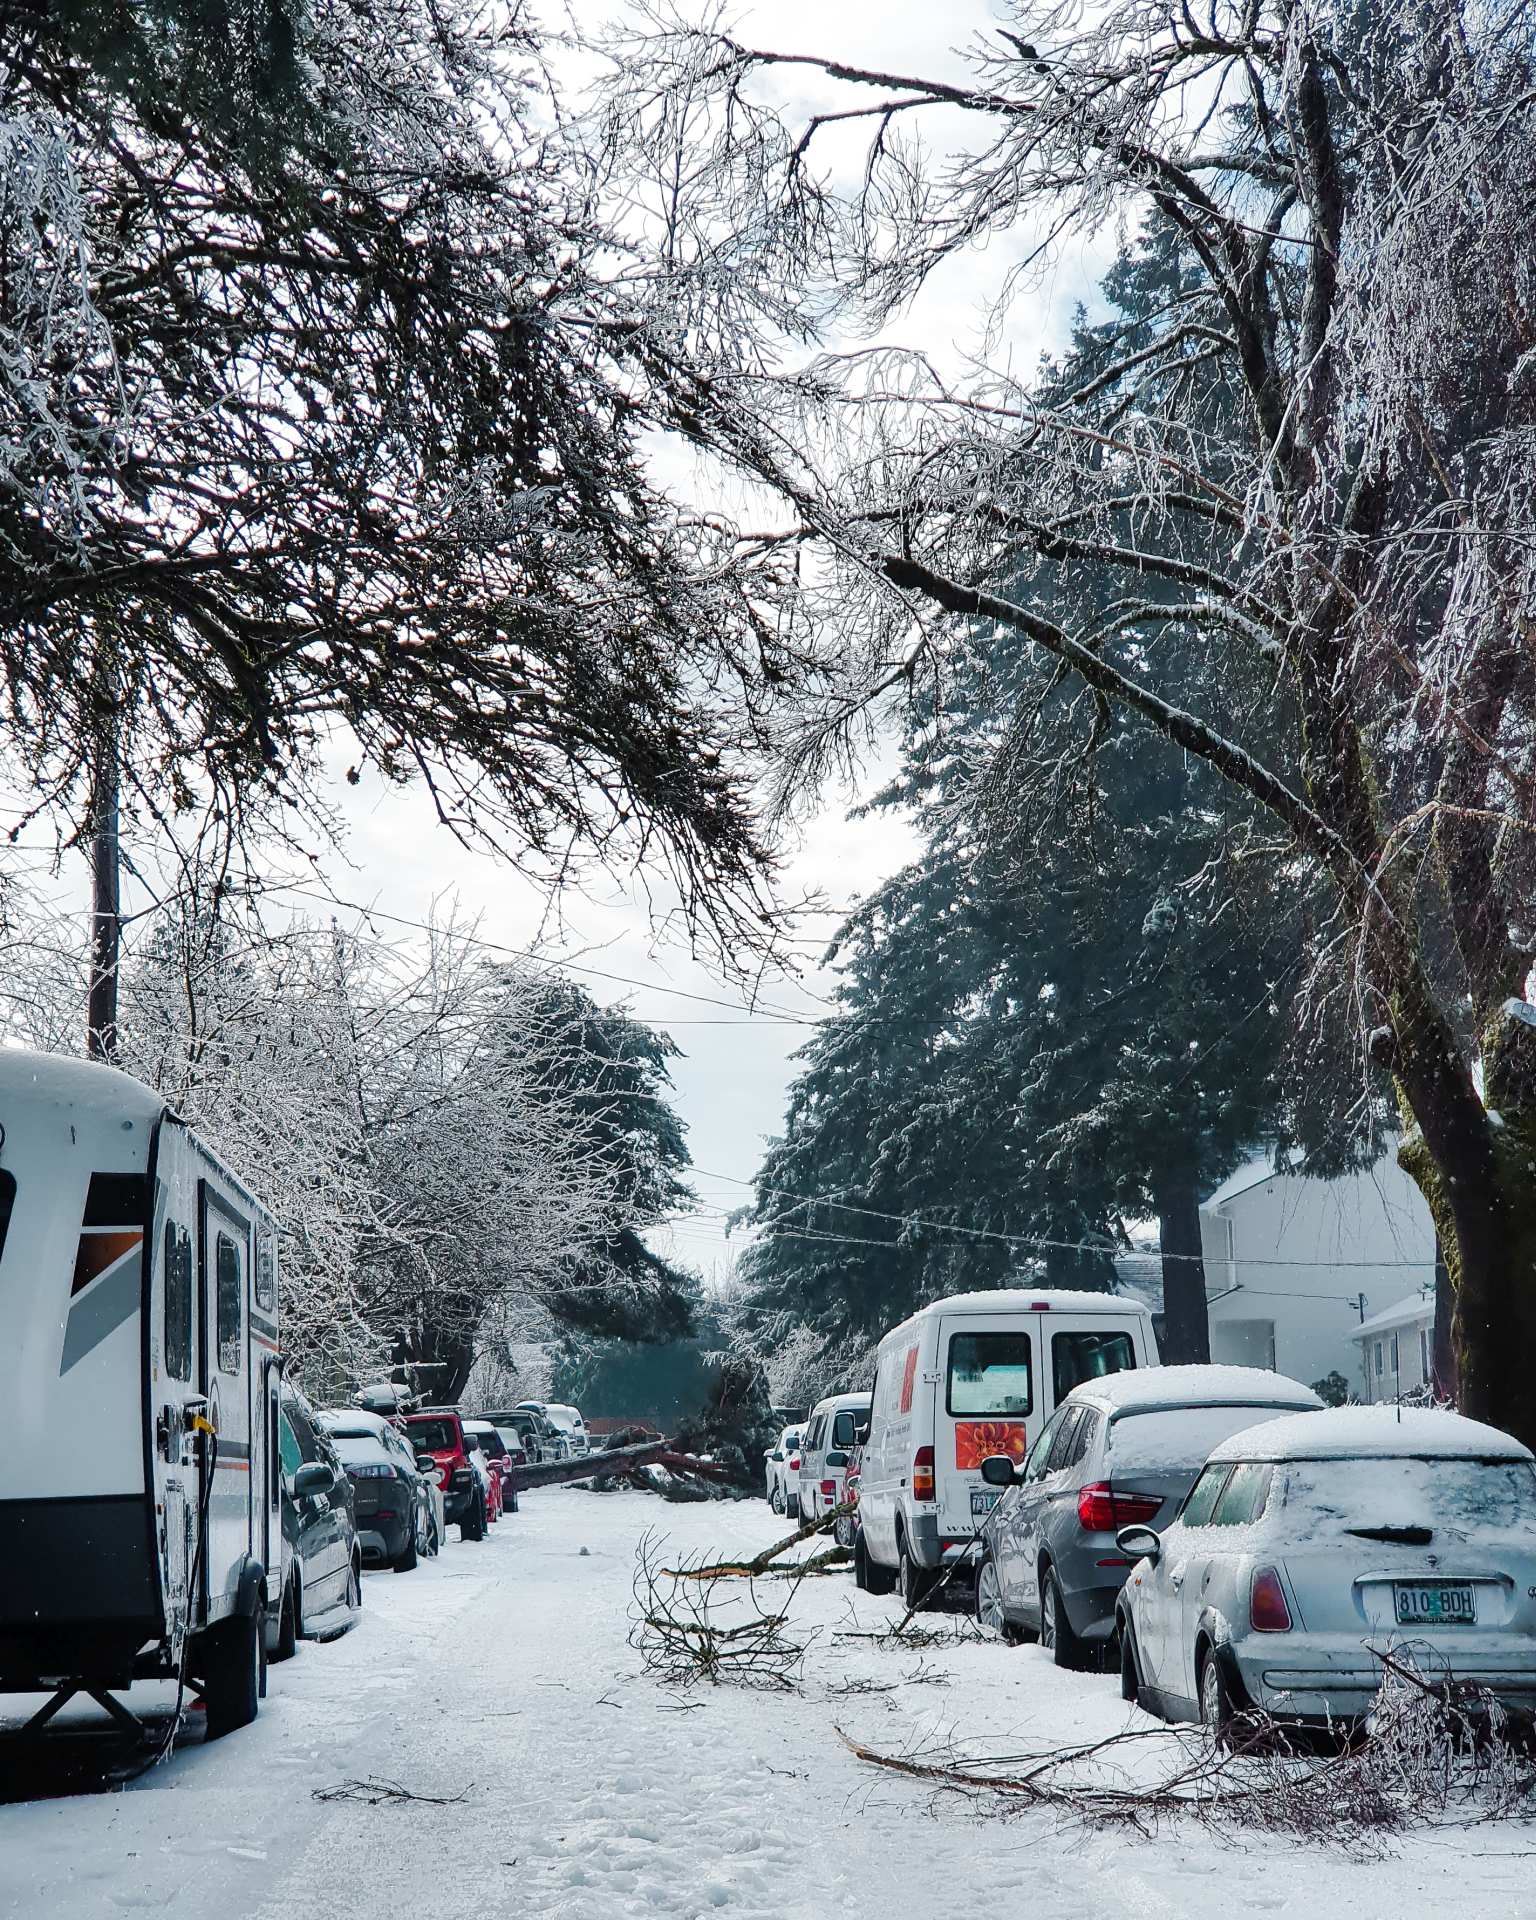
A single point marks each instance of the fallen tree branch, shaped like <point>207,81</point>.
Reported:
<point>760,1563</point>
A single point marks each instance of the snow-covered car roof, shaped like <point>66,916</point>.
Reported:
<point>1027,1299</point>
<point>479,1426</point>
<point>354,1420</point>
<point>1140,1389</point>
<point>1352,1433</point>
<point>859,1401</point>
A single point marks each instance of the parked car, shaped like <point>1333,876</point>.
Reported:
<point>845,1529</point>
<point>398,1501</point>
<point>489,1476</point>
<point>1309,1545</point>
<point>555,1439</point>
<point>498,1457</point>
<point>781,1464</point>
<point>1117,1451</point>
<point>569,1421</point>
<point>539,1437</point>
<point>323,1560</point>
<point>514,1442</point>
<point>969,1376</point>
<point>830,1436</point>
<point>466,1503</point>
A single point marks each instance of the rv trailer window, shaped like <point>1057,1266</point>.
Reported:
<point>266,1273</point>
<point>227,1278</point>
<point>178,1301</point>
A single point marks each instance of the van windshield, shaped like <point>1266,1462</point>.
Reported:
<point>990,1373</point>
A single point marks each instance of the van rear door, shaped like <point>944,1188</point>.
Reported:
<point>987,1400</point>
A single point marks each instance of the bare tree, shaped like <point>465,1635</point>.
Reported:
<point>1346,190</point>
<point>342,451</point>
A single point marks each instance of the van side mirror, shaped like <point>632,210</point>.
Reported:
<point>1140,1543</point>
<point>998,1470</point>
<point>861,1438</point>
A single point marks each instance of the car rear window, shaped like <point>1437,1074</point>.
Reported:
<point>1450,1496</point>
<point>1076,1357</point>
<point>1174,1437</point>
<point>488,1440</point>
<point>434,1436</point>
<point>359,1449</point>
<point>990,1373</point>
<point>511,1439</point>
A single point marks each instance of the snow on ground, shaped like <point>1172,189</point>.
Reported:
<point>501,1673</point>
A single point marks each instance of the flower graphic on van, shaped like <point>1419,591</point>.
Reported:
<point>975,1440</point>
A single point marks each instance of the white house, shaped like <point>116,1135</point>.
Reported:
<point>1396,1349</point>
<point>1294,1265</point>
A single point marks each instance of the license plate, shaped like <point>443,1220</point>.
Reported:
<point>1436,1606</point>
<point>983,1500</point>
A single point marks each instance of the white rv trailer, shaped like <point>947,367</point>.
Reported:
<point>140,1526</point>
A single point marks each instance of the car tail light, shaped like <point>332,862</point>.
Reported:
<point>384,1513</point>
<point>794,1463</point>
<point>829,1489</point>
<point>1267,1611</point>
<point>1100,1509</point>
<point>922,1474</point>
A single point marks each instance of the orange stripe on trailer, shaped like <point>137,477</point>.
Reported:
<point>233,1466</point>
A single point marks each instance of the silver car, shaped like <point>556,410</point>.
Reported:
<point>1308,1546</point>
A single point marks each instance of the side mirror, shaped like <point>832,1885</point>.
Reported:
<point>999,1470</point>
<point>1141,1543</point>
<point>861,1438</point>
<point>312,1479</point>
<point>426,1464</point>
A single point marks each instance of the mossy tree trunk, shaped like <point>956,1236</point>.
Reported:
<point>1186,1318</point>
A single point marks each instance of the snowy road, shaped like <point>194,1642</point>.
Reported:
<point>501,1672</point>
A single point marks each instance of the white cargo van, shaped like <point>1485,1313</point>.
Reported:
<point>829,1437</point>
<point>976,1374</point>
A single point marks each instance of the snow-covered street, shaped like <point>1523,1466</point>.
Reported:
<point>501,1673</point>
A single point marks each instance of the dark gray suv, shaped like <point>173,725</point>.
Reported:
<point>1121,1451</point>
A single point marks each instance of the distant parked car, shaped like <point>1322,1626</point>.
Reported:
<point>323,1562</point>
<point>833,1432</point>
<point>539,1437</point>
<point>1307,1546</point>
<point>498,1457</point>
<point>397,1503</point>
<point>781,1465</point>
<point>568,1421</point>
<point>555,1440</point>
<point>1124,1449</point>
<point>514,1442</point>
<point>466,1503</point>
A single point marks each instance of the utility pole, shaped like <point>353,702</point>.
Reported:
<point>106,888</point>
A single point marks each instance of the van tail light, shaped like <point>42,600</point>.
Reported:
<point>1267,1611</point>
<point>829,1489</point>
<point>922,1474</point>
<point>1100,1509</point>
<point>794,1463</point>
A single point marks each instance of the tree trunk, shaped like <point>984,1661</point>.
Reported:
<point>1442,1355</point>
<point>106,904</point>
<point>1186,1319</point>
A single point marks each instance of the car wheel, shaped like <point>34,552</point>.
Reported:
<point>842,1530</point>
<point>914,1581</point>
<point>407,1560</point>
<point>1056,1635</point>
<point>792,1506</point>
<point>355,1587</point>
<point>1215,1701</point>
<point>234,1676</point>
<point>990,1616</point>
<point>288,1625</point>
<point>776,1499</point>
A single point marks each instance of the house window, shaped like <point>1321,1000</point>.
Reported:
<point>1380,1369</point>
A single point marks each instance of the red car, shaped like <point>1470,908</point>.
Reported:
<point>499,1457</point>
<point>469,1501</point>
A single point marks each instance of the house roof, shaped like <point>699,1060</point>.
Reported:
<point>1406,1313</point>
<point>1252,1173</point>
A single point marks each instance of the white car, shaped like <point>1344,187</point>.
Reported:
<point>1311,1545</point>
<point>569,1423</point>
<point>830,1436</point>
<point>781,1472</point>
